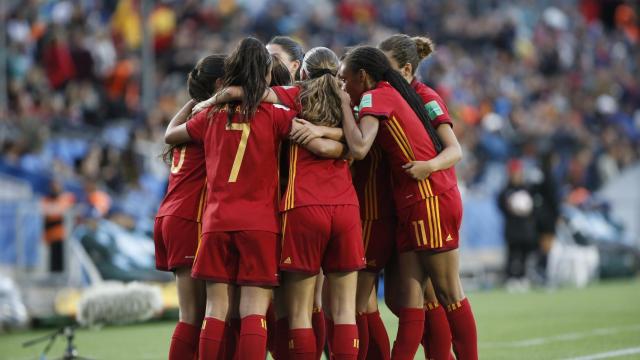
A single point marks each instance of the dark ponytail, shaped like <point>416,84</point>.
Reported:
<point>376,64</point>
<point>201,85</point>
<point>248,67</point>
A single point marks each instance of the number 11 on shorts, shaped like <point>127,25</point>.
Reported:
<point>242,146</point>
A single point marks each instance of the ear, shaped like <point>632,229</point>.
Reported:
<point>362,76</point>
<point>218,83</point>
<point>407,70</point>
<point>296,65</point>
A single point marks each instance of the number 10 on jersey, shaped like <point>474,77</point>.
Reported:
<point>242,146</point>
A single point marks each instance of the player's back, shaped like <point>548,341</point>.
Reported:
<point>242,168</point>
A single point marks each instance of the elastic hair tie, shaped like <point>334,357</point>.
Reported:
<point>321,72</point>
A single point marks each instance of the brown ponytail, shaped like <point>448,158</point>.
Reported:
<point>408,50</point>
<point>320,94</point>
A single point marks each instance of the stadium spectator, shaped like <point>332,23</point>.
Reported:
<point>54,207</point>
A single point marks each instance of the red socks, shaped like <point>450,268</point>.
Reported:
<point>379,348</point>
<point>271,329</point>
<point>231,337</point>
<point>253,338</point>
<point>463,330</point>
<point>211,338</point>
<point>436,339</point>
<point>282,339</point>
<point>410,330</point>
<point>184,342</point>
<point>329,327</point>
<point>320,331</point>
<point>345,342</point>
<point>363,335</point>
<point>302,344</point>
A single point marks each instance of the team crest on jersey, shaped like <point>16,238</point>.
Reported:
<point>433,109</point>
<point>281,107</point>
<point>367,101</point>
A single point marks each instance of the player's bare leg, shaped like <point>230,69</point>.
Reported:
<point>342,290</point>
<point>192,297</point>
<point>436,339</point>
<point>299,292</point>
<point>444,271</point>
<point>254,301</point>
<point>411,313</point>
<point>214,324</point>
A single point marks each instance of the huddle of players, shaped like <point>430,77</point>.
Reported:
<point>231,238</point>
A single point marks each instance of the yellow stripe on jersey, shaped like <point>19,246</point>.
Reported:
<point>432,225</point>
<point>293,159</point>
<point>366,233</point>
<point>203,194</point>
<point>402,140</point>
<point>403,136</point>
<point>396,137</point>
<point>284,229</point>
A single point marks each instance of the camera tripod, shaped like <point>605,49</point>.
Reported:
<point>70,352</point>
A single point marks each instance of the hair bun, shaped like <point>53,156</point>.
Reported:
<point>424,45</point>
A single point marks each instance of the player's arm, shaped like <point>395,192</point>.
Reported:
<point>308,131</point>
<point>448,157</point>
<point>359,136</point>
<point>326,148</point>
<point>176,132</point>
<point>233,93</point>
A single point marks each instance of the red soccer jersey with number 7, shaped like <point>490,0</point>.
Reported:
<point>186,190</point>
<point>242,167</point>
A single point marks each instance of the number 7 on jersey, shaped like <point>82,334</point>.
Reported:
<point>242,146</point>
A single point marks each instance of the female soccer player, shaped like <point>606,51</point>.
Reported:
<point>240,237</point>
<point>404,54</point>
<point>427,199</point>
<point>178,222</point>
<point>321,225</point>
<point>290,53</point>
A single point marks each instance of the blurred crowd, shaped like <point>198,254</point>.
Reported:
<point>523,79</point>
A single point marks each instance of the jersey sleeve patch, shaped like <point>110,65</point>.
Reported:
<point>433,109</point>
<point>366,101</point>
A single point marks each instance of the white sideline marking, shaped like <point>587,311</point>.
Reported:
<point>562,337</point>
<point>608,354</point>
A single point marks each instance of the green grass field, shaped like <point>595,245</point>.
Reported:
<point>599,322</point>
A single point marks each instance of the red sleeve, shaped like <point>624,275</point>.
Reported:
<point>375,104</point>
<point>197,126</point>
<point>289,96</point>
<point>282,118</point>
<point>438,112</point>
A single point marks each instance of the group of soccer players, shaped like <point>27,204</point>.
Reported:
<point>295,179</point>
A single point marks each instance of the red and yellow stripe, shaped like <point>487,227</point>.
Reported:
<point>371,187</point>
<point>366,232</point>
<point>289,201</point>
<point>398,134</point>
<point>433,221</point>
<point>203,197</point>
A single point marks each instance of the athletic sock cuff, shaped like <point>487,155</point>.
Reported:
<point>254,325</point>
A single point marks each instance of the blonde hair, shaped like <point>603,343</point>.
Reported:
<point>320,94</point>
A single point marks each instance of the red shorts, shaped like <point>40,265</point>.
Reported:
<point>327,236</point>
<point>379,242</point>
<point>238,257</point>
<point>176,240</point>
<point>432,224</point>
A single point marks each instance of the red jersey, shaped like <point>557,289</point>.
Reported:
<point>313,180</point>
<point>372,180</point>
<point>438,114</point>
<point>187,184</point>
<point>242,167</point>
<point>403,138</point>
<point>433,103</point>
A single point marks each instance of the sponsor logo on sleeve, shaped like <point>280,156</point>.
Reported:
<point>366,101</point>
<point>433,109</point>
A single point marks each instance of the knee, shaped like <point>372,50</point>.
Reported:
<point>449,292</point>
<point>217,309</point>
<point>192,313</point>
<point>344,312</point>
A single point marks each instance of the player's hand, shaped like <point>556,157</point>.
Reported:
<point>345,98</point>
<point>202,105</point>
<point>418,170</point>
<point>303,131</point>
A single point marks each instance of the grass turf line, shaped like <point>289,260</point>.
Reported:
<point>561,323</point>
